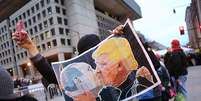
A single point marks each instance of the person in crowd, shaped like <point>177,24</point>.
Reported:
<point>165,80</point>
<point>198,57</point>
<point>7,88</point>
<point>17,83</point>
<point>42,64</point>
<point>155,93</point>
<point>176,62</point>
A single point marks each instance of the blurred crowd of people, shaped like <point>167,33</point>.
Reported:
<point>21,82</point>
<point>194,59</point>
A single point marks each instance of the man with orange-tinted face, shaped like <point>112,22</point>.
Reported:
<point>114,62</point>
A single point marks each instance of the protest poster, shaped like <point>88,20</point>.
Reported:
<point>118,68</point>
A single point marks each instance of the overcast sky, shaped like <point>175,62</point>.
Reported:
<point>158,21</point>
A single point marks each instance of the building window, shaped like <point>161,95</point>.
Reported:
<point>63,42</point>
<point>67,31</point>
<point>44,13</point>
<point>62,2</point>
<point>57,1</point>
<point>40,26</point>
<point>65,21</point>
<point>49,10</point>
<point>53,31</point>
<point>31,31</point>
<point>32,10</point>
<point>18,56</point>
<point>64,11</point>
<point>25,24</point>
<point>20,17</point>
<point>41,36</point>
<point>25,53</point>
<point>24,15</point>
<point>37,39</point>
<point>45,24</point>
<point>37,6</point>
<point>22,55</point>
<point>54,42</point>
<point>51,21</point>
<point>35,29</point>
<point>59,20</point>
<point>34,19</point>
<point>47,34</point>
<point>16,20</point>
<point>9,51</point>
<point>48,1</point>
<point>38,16</point>
<point>69,42</point>
<point>38,47</point>
<point>42,3</point>
<point>58,10</point>
<point>29,21</point>
<point>13,22</point>
<point>49,45</point>
<point>10,59</point>
<point>61,31</point>
<point>43,46</point>
<point>7,43</point>
<point>28,12</point>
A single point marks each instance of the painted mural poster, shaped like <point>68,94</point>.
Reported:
<point>116,69</point>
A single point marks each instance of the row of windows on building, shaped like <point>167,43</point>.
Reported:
<point>38,7</point>
<point>4,37</point>
<point>6,61</point>
<point>5,45</point>
<point>46,46</point>
<point>28,12</point>
<point>3,29</point>
<point>54,43</point>
<point>45,24</point>
<point>38,17</point>
<point>22,55</point>
<point>46,35</point>
<point>5,53</point>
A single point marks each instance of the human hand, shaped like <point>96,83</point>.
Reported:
<point>25,42</point>
<point>87,96</point>
<point>118,30</point>
<point>144,72</point>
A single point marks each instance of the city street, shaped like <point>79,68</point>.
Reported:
<point>193,83</point>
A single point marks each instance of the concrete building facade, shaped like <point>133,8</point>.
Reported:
<point>193,22</point>
<point>55,26</point>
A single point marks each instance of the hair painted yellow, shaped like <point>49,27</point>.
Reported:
<point>118,49</point>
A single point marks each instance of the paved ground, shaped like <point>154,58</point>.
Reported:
<point>58,98</point>
<point>194,83</point>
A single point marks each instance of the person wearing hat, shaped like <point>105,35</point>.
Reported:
<point>7,88</point>
<point>176,62</point>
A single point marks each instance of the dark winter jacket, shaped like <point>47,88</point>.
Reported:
<point>45,69</point>
<point>176,63</point>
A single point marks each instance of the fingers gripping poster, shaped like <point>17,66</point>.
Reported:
<point>117,69</point>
